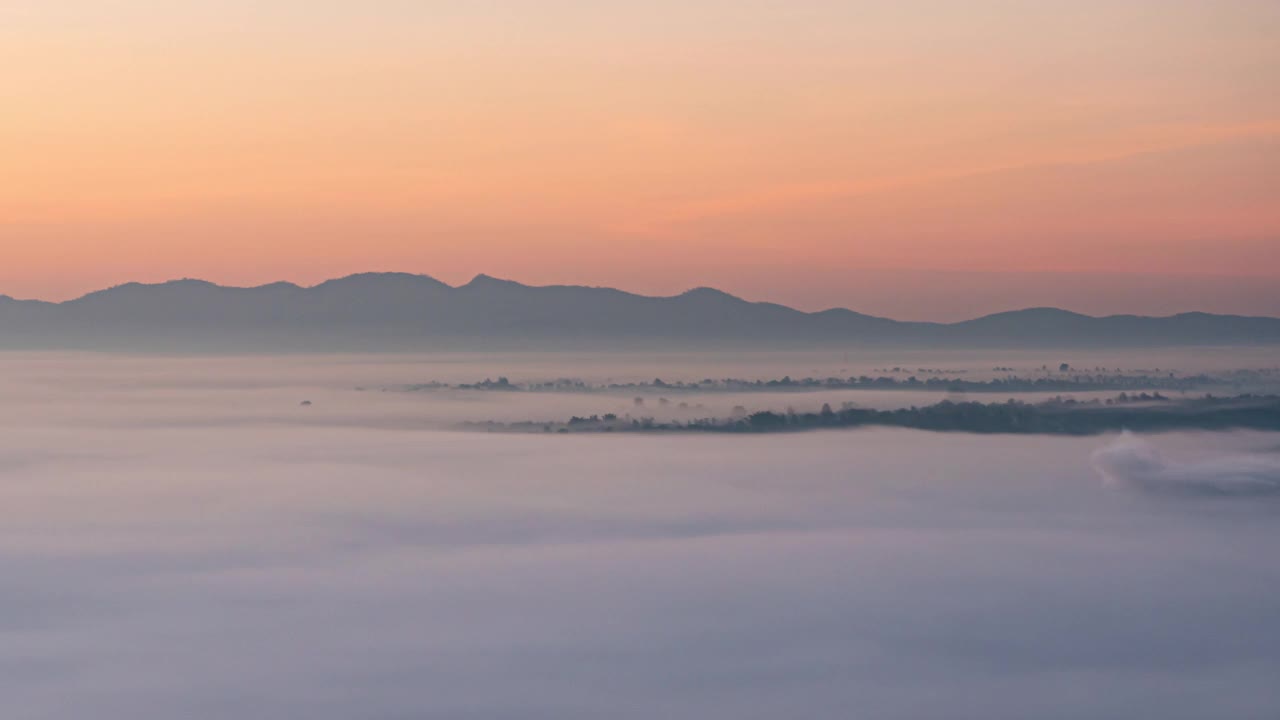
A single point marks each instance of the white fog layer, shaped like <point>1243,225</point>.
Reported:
<point>182,538</point>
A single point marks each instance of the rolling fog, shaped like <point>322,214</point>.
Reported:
<point>180,538</point>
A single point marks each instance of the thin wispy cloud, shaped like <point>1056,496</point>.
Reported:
<point>1132,463</point>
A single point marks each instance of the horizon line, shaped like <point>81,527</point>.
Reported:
<point>481,277</point>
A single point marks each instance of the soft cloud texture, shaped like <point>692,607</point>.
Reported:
<point>1131,462</point>
<point>269,562</point>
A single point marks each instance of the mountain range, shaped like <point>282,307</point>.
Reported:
<point>399,311</point>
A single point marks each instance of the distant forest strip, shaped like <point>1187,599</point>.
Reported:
<point>1148,413</point>
<point>1078,382</point>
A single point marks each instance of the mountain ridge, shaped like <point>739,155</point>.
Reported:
<point>396,310</point>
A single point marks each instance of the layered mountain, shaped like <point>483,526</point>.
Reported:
<point>397,311</point>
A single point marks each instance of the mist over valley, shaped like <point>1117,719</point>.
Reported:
<point>258,536</point>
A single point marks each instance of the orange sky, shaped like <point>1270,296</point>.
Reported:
<point>802,151</point>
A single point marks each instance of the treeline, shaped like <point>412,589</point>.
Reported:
<point>1053,417</point>
<point>1010,384</point>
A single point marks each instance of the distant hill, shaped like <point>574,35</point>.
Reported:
<point>398,311</point>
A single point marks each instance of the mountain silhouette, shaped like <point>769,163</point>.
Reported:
<point>400,311</point>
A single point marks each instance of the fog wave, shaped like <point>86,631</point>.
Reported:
<point>1130,462</point>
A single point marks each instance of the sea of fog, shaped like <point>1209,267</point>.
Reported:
<point>181,538</point>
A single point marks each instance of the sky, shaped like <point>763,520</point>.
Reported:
<point>919,159</point>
